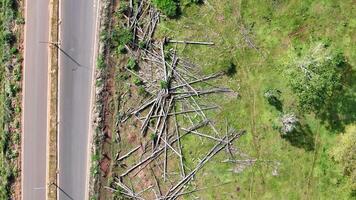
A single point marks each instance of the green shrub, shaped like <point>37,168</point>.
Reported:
<point>124,36</point>
<point>142,44</point>
<point>17,73</point>
<point>104,36</point>
<point>345,154</point>
<point>121,49</point>
<point>120,37</point>
<point>163,84</point>
<point>142,91</point>
<point>273,96</point>
<point>100,63</point>
<point>13,50</point>
<point>153,136</point>
<point>95,158</point>
<point>20,20</point>
<point>132,64</point>
<point>12,89</point>
<point>99,83</point>
<point>121,76</point>
<point>137,81</point>
<point>124,7</point>
<point>197,1</point>
<point>8,37</point>
<point>168,7</point>
<point>188,2</point>
<point>17,109</point>
<point>228,67</point>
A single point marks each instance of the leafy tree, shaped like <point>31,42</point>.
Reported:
<point>168,7</point>
<point>345,154</point>
<point>315,76</point>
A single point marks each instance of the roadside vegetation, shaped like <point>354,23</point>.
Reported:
<point>293,65</point>
<point>101,75</point>
<point>11,23</point>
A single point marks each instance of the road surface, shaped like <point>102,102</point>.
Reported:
<point>35,100</point>
<point>77,35</point>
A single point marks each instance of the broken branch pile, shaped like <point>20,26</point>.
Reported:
<point>176,93</point>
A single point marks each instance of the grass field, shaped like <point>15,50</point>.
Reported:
<point>260,37</point>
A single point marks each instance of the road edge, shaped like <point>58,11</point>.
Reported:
<point>23,101</point>
<point>52,120</point>
<point>96,106</point>
<point>92,100</point>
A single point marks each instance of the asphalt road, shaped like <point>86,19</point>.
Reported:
<point>77,35</point>
<point>35,101</point>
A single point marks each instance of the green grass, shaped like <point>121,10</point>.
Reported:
<point>276,29</point>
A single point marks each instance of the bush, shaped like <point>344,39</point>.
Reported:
<point>142,91</point>
<point>20,20</point>
<point>17,73</point>
<point>121,49</point>
<point>197,1</point>
<point>104,37</point>
<point>168,7</point>
<point>124,36</point>
<point>137,81</point>
<point>228,67</point>
<point>132,64</point>
<point>8,37</point>
<point>345,154</point>
<point>153,137</point>
<point>100,64</point>
<point>123,8</point>
<point>187,2</point>
<point>273,97</point>
<point>13,50</point>
<point>99,83</point>
<point>12,89</point>
<point>120,37</point>
<point>164,84</point>
<point>17,109</point>
<point>142,44</point>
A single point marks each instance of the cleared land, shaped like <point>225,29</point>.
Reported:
<point>261,38</point>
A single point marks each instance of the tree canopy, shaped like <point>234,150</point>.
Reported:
<point>345,154</point>
<point>168,7</point>
<point>315,76</point>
